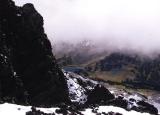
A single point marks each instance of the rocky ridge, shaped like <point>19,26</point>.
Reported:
<point>28,69</point>
<point>92,94</point>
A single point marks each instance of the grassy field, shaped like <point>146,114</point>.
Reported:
<point>112,76</point>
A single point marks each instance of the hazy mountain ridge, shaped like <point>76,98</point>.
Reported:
<point>140,70</point>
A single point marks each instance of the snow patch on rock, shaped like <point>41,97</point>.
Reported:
<point>78,86</point>
<point>76,92</point>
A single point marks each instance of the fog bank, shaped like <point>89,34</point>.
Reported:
<point>129,25</point>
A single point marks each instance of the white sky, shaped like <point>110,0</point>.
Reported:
<point>124,24</point>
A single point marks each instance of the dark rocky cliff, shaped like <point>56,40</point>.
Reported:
<point>28,69</point>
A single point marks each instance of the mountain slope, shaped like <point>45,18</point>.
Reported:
<point>141,72</point>
<point>88,93</point>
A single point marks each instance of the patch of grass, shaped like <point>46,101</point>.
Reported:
<point>112,76</point>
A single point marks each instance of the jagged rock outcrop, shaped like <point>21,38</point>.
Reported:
<point>28,70</point>
<point>99,95</point>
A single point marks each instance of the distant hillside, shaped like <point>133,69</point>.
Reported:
<point>133,70</point>
<point>128,68</point>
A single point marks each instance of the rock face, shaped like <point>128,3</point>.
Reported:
<point>28,70</point>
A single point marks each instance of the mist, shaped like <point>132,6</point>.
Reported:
<point>126,25</point>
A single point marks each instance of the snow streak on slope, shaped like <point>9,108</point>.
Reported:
<point>77,91</point>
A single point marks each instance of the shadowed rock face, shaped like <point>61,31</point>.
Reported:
<point>28,69</point>
<point>99,95</point>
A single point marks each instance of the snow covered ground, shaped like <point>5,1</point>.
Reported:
<point>12,109</point>
<point>108,109</point>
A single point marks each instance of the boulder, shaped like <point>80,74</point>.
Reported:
<point>99,95</point>
<point>146,107</point>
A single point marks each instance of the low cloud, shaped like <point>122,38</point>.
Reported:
<point>128,25</point>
